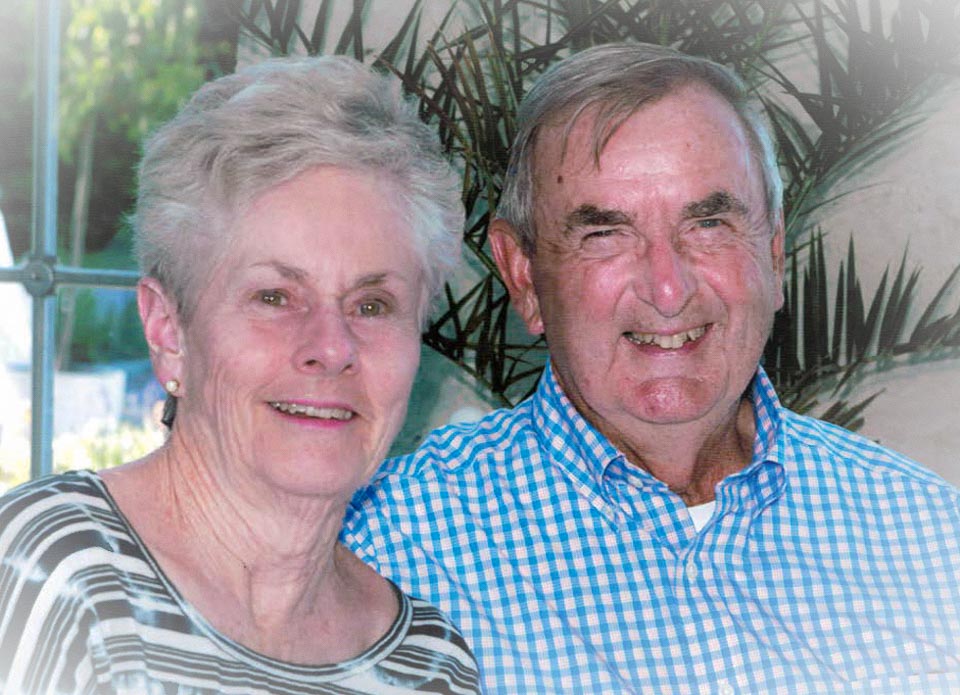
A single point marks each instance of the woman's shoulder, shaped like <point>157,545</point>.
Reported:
<point>66,493</point>
<point>52,518</point>
<point>444,657</point>
<point>426,617</point>
<point>82,481</point>
<point>71,575</point>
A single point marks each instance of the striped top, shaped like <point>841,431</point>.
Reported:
<point>85,608</point>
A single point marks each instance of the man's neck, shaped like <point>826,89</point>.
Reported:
<point>692,460</point>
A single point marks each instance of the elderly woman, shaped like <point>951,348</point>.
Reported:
<point>293,224</point>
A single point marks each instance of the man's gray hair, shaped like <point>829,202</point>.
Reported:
<point>245,133</point>
<point>611,82</point>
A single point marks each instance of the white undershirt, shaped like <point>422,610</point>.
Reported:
<point>701,513</point>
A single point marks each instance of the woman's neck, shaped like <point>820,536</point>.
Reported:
<point>264,568</point>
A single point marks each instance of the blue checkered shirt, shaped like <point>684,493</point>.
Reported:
<point>830,563</point>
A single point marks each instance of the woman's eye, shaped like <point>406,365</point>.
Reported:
<point>272,297</point>
<point>372,307</point>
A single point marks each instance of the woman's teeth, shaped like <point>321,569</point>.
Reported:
<point>310,411</point>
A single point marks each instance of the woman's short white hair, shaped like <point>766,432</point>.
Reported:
<point>245,133</point>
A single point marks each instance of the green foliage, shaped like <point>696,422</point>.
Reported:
<point>813,346</point>
<point>469,76</point>
<point>105,334</point>
<point>126,66</point>
<point>16,123</point>
<point>131,63</point>
<point>870,78</point>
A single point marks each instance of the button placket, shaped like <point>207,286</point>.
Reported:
<point>724,687</point>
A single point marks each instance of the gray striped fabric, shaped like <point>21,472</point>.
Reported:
<point>85,609</point>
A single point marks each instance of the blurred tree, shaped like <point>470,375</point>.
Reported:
<point>16,120</point>
<point>127,65</point>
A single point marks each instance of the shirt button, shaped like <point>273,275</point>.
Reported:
<point>692,572</point>
<point>724,688</point>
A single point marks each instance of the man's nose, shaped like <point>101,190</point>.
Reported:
<point>666,278</point>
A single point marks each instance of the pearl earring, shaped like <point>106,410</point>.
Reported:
<point>172,386</point>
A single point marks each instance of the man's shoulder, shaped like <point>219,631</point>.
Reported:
<point>821,447</point>
<point>458,448</point>
<point>457,470</point>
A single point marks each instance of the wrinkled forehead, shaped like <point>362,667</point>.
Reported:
<point>690,134</point>
<point>686,158</point>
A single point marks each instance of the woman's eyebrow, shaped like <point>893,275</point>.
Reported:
<point>283,269</point>
<point>372,280</point>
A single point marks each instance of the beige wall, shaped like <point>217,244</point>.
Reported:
<point>910,200</point>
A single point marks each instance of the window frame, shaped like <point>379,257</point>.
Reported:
<point>41,274</point>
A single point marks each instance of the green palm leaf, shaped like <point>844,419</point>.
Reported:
<point>871,75</point>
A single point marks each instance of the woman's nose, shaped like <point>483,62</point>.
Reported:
<point>327,343</point>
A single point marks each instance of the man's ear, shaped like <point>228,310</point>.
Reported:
<point>517,272</point>
<point>778,255</point>
<point>161,327</point>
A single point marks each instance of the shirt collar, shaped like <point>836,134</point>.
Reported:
<point>764,480</point>
<point>585,454</point>
<point>572,442</point>
<point>768,443</point>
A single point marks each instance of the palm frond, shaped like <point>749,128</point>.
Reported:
<point>836,349</point>
<point>871,72</point>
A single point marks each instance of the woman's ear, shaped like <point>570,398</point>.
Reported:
<point>162,329</point>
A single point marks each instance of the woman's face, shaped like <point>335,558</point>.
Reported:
<point>299,359</point>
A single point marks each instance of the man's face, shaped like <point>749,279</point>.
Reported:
<point>656,276</point>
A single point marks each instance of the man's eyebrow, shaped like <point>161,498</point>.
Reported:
<point>716,203</point>
<point>592,216</point>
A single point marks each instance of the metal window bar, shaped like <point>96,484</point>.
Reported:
<point>41,274</point>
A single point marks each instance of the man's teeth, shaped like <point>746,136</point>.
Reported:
<point>310,411</point>
<point>668,342</point>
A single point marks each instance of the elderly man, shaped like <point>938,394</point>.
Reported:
<point>652,519</point>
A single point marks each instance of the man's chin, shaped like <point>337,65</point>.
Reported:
<point>671,400</point>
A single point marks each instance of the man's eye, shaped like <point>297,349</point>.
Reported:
<point>373,307</point>
<point>272,297</point>
<point>600,234</point>
<point>709,223</point>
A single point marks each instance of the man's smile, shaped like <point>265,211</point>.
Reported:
<point>672,341</point>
